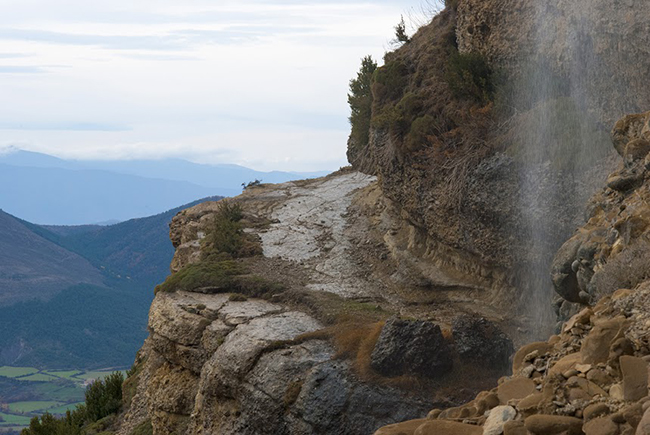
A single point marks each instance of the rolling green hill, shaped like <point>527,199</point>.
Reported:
<point>93,311</point>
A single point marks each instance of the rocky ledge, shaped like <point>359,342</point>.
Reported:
<point>318,332</point>
<point>214,365</point>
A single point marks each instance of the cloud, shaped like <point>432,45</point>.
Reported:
<point>13,55</point>
<point>71,126</point>
<point>262,83</point>
<point>21,69</point>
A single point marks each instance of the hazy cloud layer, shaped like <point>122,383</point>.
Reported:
<point>259,83</point>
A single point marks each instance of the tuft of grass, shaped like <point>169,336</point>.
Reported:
<point>144,428</point>
<point>219,275</point>
<point>237,297</point>
<point>292,393</point>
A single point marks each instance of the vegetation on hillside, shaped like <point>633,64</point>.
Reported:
<point>470,76</point>
<point>82,327</point>
<point>221,268</point>
<point>103,401</point>
<point>90,326</point>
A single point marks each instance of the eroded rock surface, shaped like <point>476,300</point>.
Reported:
<point>213,365</point>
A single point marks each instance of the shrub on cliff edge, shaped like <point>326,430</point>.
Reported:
<point>360,101</point>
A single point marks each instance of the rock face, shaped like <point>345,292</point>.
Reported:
<point>492,192</point>
<point>592,378</point>
<point>214,366</point>
<point>610,41</point>
<point>609,252</point>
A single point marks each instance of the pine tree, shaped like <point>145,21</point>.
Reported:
<point>360,101</point>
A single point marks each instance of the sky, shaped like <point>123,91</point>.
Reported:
<point>261,83</point>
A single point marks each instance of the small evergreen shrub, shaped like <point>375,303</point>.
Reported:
<point>469,76</point>
<point>103,401</point>
<point>390,81</point>
<point>421,129</point>
<point>225,237</point>
<point>400,32</point>
<point>104,397</point>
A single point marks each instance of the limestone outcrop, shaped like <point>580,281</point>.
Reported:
<point>312,334</point>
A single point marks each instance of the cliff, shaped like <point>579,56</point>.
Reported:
<point>402,284</point>
<point>592,378</point>
<point>305,336</point>
<point>491,162</point>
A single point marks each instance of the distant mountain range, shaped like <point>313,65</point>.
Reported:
<point>78,296</point>
<point>47,190</point>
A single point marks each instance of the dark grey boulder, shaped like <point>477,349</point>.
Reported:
<point>411,347</point>
<point>478,340</point>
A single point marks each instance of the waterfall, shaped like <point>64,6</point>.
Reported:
<point>562,139</point>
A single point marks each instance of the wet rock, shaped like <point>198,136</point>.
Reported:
<point>644,426</point>
<point>601,426</point>
<point>371,406</point>
<point>411,347</point>
<point>498,417</point>
<point>325,395</point>
<point>553,425</point>
<point>635,377</point>
<point>516,388</point>
<point>439,427</point>
<point>564,277</point>
<point>518,362</point>
<point>406,428</point>
<point>595,347</point>
<point>478,339</point>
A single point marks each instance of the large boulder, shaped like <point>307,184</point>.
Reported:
<point>411,347</point>
<point>479,340</point>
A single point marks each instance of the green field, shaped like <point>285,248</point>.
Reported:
<point>14,420</point>
<point>27,407</point>
<point>63,374</point>
<point>59,410</point>
<point>38,377</point>
<point>95,375</point>
<point>29,392</point>
<point>16,372</point>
